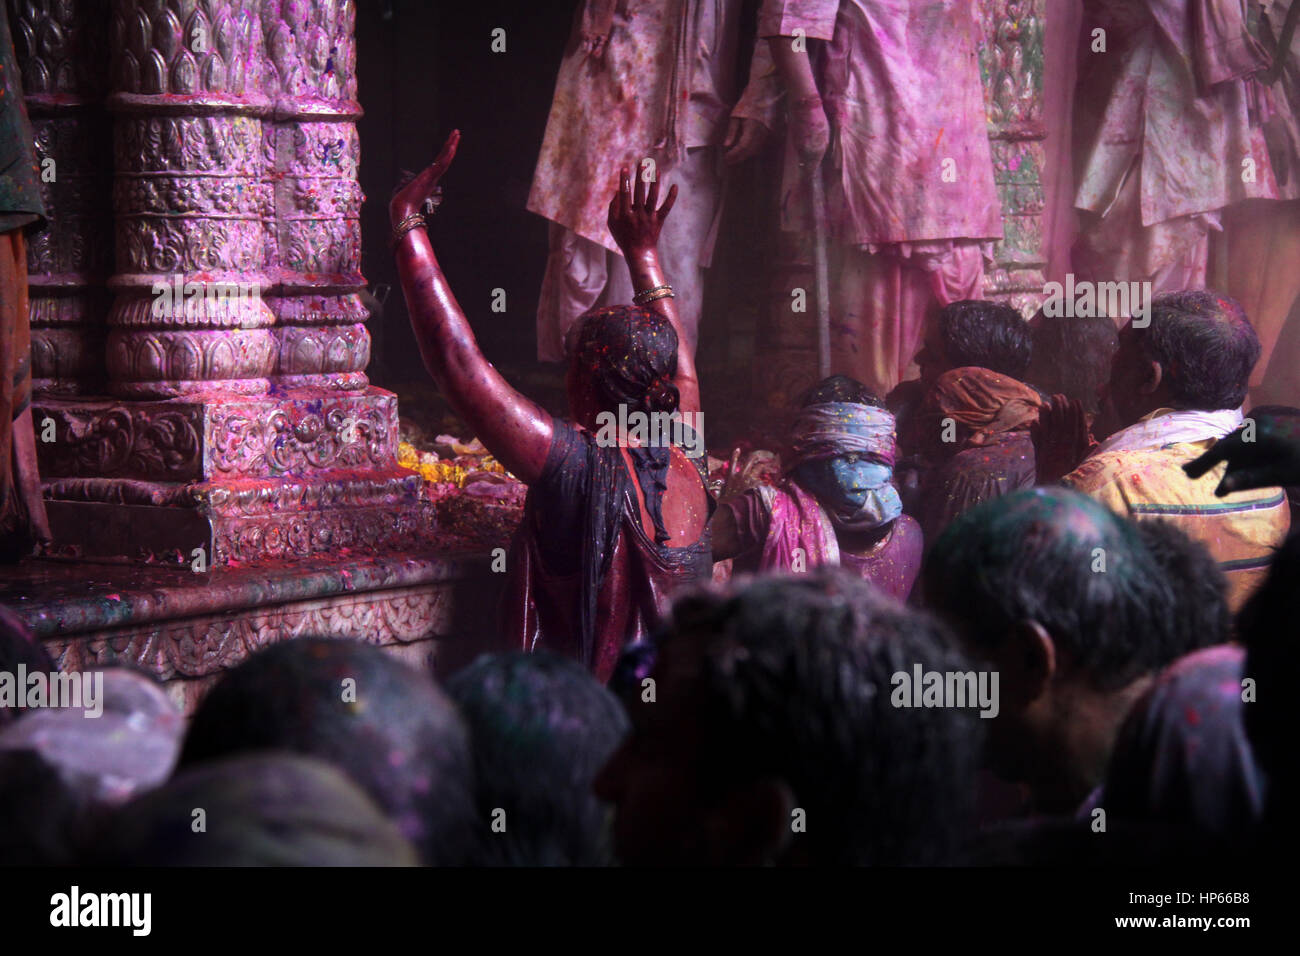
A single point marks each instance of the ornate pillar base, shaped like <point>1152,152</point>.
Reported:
<point>294,475</point>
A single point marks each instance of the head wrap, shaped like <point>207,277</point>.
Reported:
<point>842,428</point>
<point>986,402</point>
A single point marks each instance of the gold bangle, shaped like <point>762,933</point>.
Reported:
<point>664,293</point>
<point>649,295</point>
<point>414,221</point>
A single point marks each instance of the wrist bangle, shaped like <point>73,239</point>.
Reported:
<point>415,220</point>
<point>649,295</point>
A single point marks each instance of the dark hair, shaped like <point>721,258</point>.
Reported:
<point>630,354</point>
<point>397,734</point>
<point>541,728</point>
<point>1206,348</point>
<point>1201,613</point>
<point>43,819</point>
<point>986,335</point>
<point>1034,555</point>
<point>19,646</point>
<point>1072,356</point>
<point>796,682</point>
<point>839,388</point>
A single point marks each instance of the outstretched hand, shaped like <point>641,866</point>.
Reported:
<point>634,221</point>
<point>1061,439</point>
<point>1259,455</point>
<point>410,197</point>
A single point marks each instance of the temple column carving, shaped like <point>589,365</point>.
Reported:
<point>61,46</point>
<point>237,421</point>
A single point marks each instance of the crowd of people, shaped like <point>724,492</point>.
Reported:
<point>959,631</point>
<point>1027,607</point>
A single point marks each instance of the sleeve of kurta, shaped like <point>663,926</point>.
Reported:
<point>1224,49</point>
<point>761,100</point>
<point>780,18</point>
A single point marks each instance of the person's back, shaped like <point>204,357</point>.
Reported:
<point>589,558</point>
<point>598,548</point>
<point>1241,529</point>
<point>1177,385</point>
<point>976,426</point>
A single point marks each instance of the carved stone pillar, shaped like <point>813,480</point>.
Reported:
<point>61,46</point>
<point>312,156</point>
<point>190,199</point>
<point>195,452</point>
<point>1011,62</point>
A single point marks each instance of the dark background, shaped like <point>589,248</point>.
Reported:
<point>424,68</point>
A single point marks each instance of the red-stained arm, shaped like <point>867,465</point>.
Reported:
<point>635,223</point>
<point>511,426</point>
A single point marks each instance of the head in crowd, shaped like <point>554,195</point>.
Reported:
<point>975,332</point>
<point>1064,599</point>
<point>621,355</point>
<point>767,733</point>
<point>19,647</point>
<point>1196,354</point>
<point>1202,616</point>
<point>387,725</point>
<point>263,809</point>
<point>981,406</point>
<point>129,744</point>
<point>1072,356</point>
<point>842,452</point>
<point>541,727</point>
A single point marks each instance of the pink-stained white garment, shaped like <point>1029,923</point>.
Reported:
<point>912,208</point>
<point>581,274</point>
<point>879,302</point>
<point>660,87</point>
<point>901,85</point>
<point>1170,131</point>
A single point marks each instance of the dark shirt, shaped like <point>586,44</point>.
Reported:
<point>975,474</point>
<point>582,554</point>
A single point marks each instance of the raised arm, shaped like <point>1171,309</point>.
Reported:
<point>512,427</point>
<point>635,224</point>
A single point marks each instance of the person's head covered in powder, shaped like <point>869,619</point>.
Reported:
<point>387,725</point>
<point>1066,601</point>
<point>771,707</point>
<point>541,727</point>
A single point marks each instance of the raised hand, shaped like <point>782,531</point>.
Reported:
<point>409,197</point>
<point>1061,439</point>
<point>1261,456</point>
<point>634,221</point>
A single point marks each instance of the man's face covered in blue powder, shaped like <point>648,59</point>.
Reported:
<point>852,486</point>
